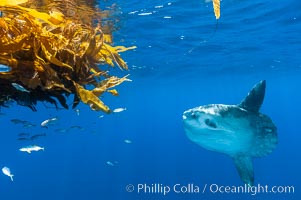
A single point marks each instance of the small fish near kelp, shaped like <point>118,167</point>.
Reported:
<point>127,141</point>
<point>23,134</point>
<point>20,88</point>
<point>29,125</point>
<point>4,68</point>
<point>23,139</point>
<point>112,163</point>
<point>24,123</point>
<point>48,122</point>
<point>27,136</point>
<point>77,127</point>
<point>31,148</point>
<point>61,130</point>
<point>19,121</point>
<point>6,171</point>
<point>36,136</point>
<point>118,110</point>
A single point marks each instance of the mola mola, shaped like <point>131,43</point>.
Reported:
<point>240,131</point>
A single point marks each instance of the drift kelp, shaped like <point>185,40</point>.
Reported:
<point>52,56</point>
<point>216,7</point>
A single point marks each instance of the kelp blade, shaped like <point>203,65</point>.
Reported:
<point>216,7</point>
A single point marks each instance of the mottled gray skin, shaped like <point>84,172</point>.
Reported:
<point>239,131</point>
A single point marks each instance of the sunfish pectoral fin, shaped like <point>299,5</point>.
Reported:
<point>244,166</point>
<point>255,97</point>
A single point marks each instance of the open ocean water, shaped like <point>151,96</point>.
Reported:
<point>182,60</point>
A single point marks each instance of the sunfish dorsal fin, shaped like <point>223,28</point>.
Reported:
<point>244,166</point>
<point>255,97</point>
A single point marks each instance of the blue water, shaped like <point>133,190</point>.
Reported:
<point>182,61</point>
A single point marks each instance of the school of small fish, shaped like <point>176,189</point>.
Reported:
<point>29,136</point>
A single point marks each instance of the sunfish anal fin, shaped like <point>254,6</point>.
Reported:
<point>255,97</point>
<point>244,166</point>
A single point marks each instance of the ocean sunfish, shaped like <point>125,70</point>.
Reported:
<point>240,131</point>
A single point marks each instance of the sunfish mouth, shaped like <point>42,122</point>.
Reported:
<point>190,114</point>
<point>186,114</point>
<point>203,119</point>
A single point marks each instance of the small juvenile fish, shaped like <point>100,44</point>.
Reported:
<point>110,163</point>
<point>23,134</point>
<point>61,130</point>
<point>20,87</point>
<point>7,172</point>
<point>4,68</point>
<point>29,125</point>
<point>31,148</point>
<point>77,127</point>
<point>77,111</point>
<point>18,121</point>
<point>37,136</point>
<point>128,141</point>
<point>49,121</point>
<point>117,110</point>
<point>23,138</point>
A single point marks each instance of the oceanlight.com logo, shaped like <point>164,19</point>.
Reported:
<point>191,188</point>
<point>253,190</point>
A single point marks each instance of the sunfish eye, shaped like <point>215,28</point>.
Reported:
<point>193,115</point>
<point>210,123</point>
